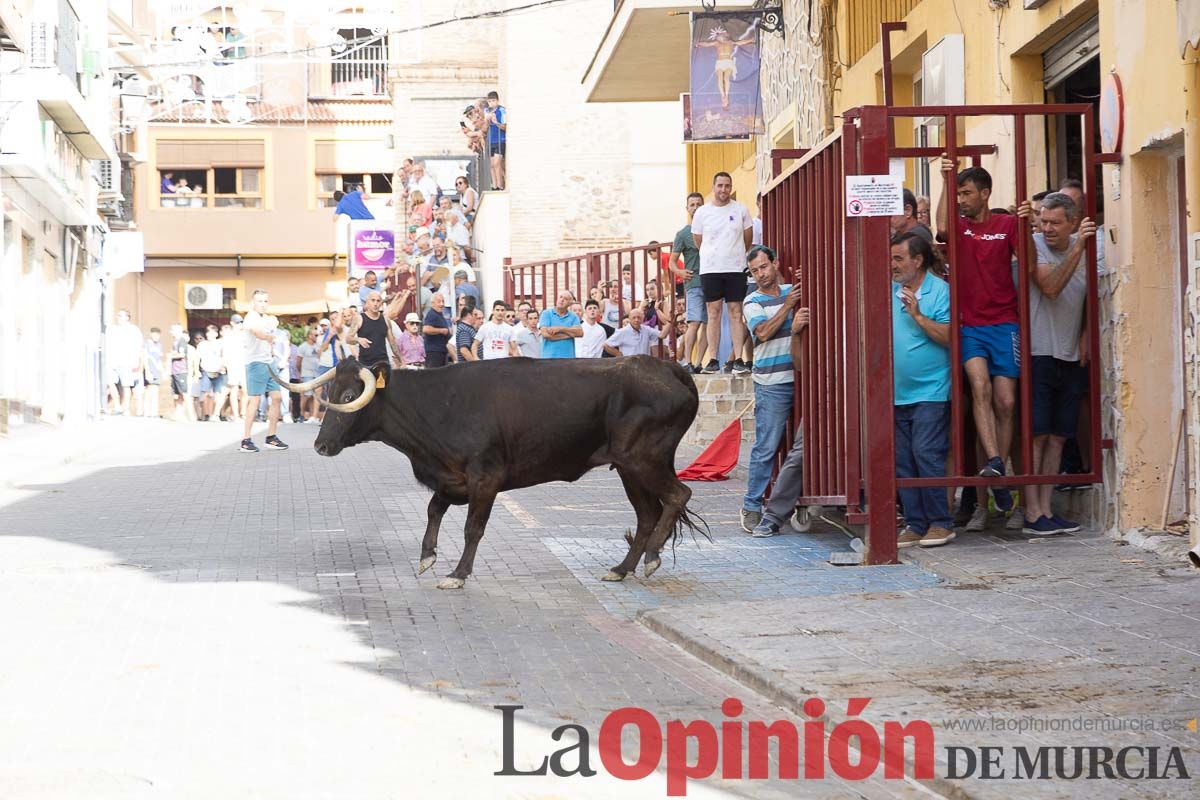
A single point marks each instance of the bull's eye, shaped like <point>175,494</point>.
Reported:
<point>347,397</point>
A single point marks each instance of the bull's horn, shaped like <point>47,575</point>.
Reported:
<point>368,379</point>
<point>303,387</point>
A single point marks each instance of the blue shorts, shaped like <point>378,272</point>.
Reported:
<point>697,311</point>
<point>999,344</point>
<point>259,380</point>
<point>210,384</point>
<point>1058,391</point>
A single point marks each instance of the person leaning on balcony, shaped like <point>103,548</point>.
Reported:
<point>921,385</point>
<point>769,313</point>
<point>353,204</point>
<point>1056,306</point>
<point>990,336</point>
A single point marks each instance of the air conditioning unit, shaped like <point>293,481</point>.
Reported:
<point>202,296</point>
<point>108,175</point>
<point>43,44</point>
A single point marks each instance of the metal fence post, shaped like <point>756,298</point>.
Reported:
<point>509,287</point>
<point>875,284</point>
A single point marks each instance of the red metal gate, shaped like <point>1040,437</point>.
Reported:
<point>540,282</point>
<point>844,403</point>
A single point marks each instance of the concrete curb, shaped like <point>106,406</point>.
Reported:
<point>760,681</point>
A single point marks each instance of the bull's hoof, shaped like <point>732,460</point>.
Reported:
<point>613,576</point>
<point>426,563</point>
<point>451,583</point>
<point>652,567</point>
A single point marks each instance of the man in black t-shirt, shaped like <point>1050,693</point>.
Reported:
<point>375,333</point>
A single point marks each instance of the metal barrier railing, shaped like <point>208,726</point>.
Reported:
<point>540,282</point>
<point>844,400</point>
<point>802,220</point>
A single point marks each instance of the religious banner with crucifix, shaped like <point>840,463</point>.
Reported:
<point>725,100</point>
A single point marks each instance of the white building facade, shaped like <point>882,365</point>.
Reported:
<point>56,150</point>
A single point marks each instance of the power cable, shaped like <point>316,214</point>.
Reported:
<point>502,12</point>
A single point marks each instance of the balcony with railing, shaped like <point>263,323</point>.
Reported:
<point>359,70</point>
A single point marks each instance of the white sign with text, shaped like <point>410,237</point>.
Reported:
<point>874,195</point>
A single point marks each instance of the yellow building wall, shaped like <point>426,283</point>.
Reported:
<point>737,158</point>
<point>1137,41</point>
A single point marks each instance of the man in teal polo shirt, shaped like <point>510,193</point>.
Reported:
<point>921,374</point>
<point>559,328</point>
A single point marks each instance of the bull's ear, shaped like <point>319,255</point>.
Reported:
<point>381,372</point>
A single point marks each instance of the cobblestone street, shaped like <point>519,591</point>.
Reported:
<point>204,623</point>
<point>190,621</point>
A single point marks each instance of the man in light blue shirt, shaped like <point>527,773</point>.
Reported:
<point>559,328</point>
<point>921,375</point>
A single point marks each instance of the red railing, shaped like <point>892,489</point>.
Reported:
<point>802,221</point>
<point>540,282</point>
<point>844,403</point>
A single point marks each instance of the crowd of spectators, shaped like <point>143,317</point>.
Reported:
<point>990,342</point>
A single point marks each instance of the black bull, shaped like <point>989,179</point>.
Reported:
<point>477,429</point>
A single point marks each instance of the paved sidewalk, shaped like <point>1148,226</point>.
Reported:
<point>1041,634</point>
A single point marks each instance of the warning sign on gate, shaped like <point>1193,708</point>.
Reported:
<point>874,195</point>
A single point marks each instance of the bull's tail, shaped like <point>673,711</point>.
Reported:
<point>692,523</point>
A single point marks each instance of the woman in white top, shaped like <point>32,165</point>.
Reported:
<point>468,198</point>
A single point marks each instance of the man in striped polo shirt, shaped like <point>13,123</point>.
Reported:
<point>768,314</point>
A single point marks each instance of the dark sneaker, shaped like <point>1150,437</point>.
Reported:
<point>1064,525</point>
<point>994,468</point>
<point>248,446</point>
<point>750,520</point>
<point>1004,498</point>
<point>711,367</point>
<point>275,443</point>
<point>1042,526</point>
<point>765,529</point>
<point>936,537</point>
<point>739,367</point>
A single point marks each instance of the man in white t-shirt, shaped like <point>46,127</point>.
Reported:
<point>591,344</point>
<point>232,349</point>
<point>495,335</point>
<point>126,354</point>
<point>258,332</point>
<point>723,230</point>
<point>634,339</point>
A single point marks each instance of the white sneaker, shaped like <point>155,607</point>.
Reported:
<point>978,519</point>
<point>1016,520</point>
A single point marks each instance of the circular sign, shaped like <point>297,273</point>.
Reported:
<point>856,207</point>
<point>1112,114</point>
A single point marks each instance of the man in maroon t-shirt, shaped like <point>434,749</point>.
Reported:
<point>987,305</point>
